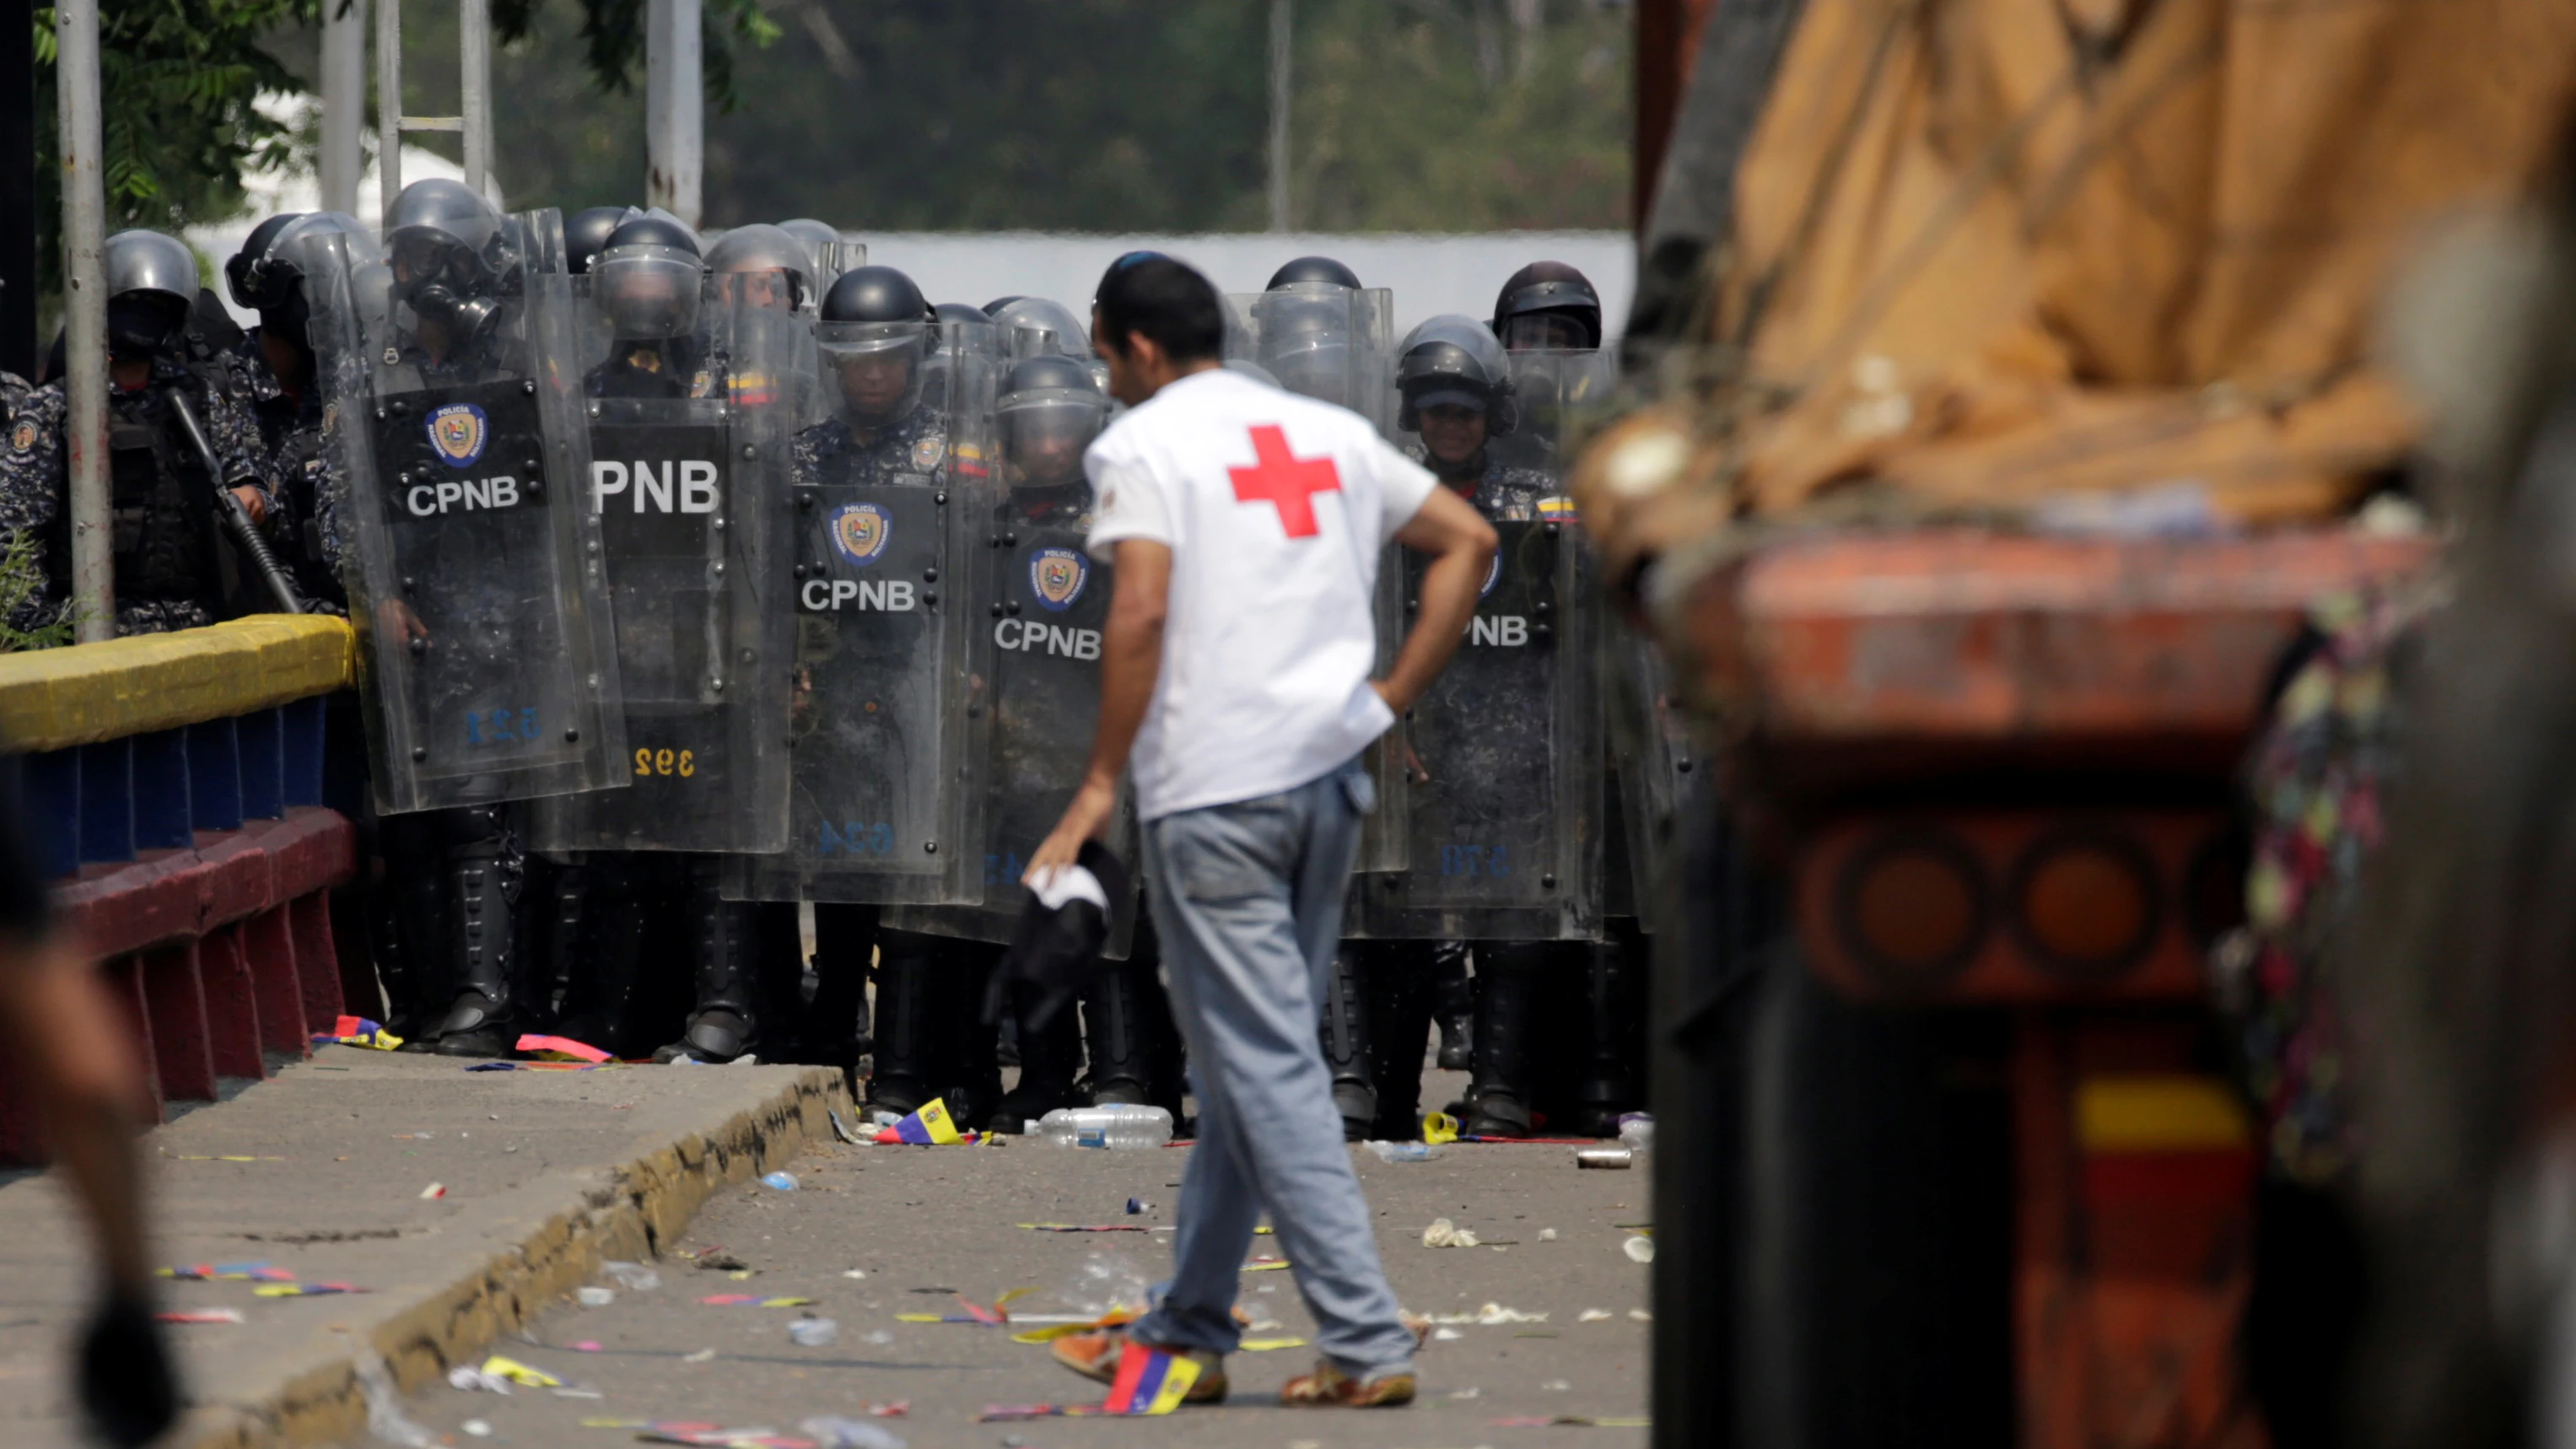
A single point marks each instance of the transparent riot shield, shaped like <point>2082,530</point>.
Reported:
<point>1555,394</point>
<point>1505,813</point>
<point>1040,677</point>
<point>689,478</point>
<point>1386,841</point>
<point>453,423</point>
<point>1321,341</point>
<point>965,370</point>
<point>884,801</point>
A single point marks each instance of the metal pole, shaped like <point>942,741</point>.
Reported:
<point>344,100</point>
<point>674,107</point>
<point>1282,37</point>
<point>388,104</point>
<point>85,318</point>
<point>18,188</point>
<point>474,51</point>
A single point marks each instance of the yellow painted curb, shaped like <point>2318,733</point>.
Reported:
<point>52,699</point>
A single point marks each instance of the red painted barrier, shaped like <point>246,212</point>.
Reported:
<point>217,952</point>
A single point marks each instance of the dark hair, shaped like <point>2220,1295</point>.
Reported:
<point>1151,294</point>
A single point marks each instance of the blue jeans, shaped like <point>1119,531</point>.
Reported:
<point>1247,898</point>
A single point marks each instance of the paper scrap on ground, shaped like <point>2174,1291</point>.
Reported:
<point>1445,1234</point>
<point>262,1271</point>
<point>1086,1227</point>
<point>561,1049</point>
<point>753,1300</point>
<point>199,1315</point>
<point>1266,1345</point>
<point>519,1373</point>
<point>1639,1249</point>
<point>357,1031</point>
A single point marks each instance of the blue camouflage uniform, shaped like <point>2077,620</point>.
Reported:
<point>1504,492</point>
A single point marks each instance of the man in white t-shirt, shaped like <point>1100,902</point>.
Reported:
<point>1246,524</point>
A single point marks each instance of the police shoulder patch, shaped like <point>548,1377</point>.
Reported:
<point>22,438</point>
<point>927,453</point>
<point>860,532</point>
<point>1056,576</point>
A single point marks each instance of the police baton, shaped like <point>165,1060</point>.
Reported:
<point>237,520</point>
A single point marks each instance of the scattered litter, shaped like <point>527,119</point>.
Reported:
<point>1567,1421</point>
<point>1556,1386</point>
<point>587,1345</point>
<point>841,1130</point>
<point>752,1300</point>
<point>570,1393</point>
<point>385,1417</point>
<point>855,1273</point>
<point>1402,1151</point>
<point>1593,1315</point>
<point>1641,1315</point>
<point>594,1297</point>
<point>878,1336</point>
<point>520,1374</point>
<point>262,1271</point>
<point>1491,1315</point>
<point>223,1156</point>
<point>701,1356</point>
<point>357,1031</point>
<point>811,1332</point>
<point>1637,1130</point>
<point>561,1048</point>
<point>835,1432</point>
<point>305,1290</point>
<point>1640,1249</point>
<point>1613,1159</point>
<point>479,1428</point>
<point>1439,1127</point>
<point>783,1181</point>
<point>1445,1234</point>
<point>1266,1265</point>
<point>1469,1392</point>
<point>714,1261</point>
<point>1267,1345</point>
<point>1087,1227</point>
<point>1137,1205</point>
<point>435,1189</point>
<point>198,1315</point>
<point>466,1376</point>
<point>633,1277</point>
<point>1547,1235</point>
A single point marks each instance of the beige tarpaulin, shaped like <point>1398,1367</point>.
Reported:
<point>1986,251</point>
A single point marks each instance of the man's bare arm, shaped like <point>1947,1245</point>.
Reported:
<point>1131,662</point>
<point>62,1027</point>
<point>1461,544</point>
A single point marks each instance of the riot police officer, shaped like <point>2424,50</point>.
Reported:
<point>169,558</point>
<point>1311,333</point>
<point>586,234</point>
<point>267,276</point>
<point>1548,305</point>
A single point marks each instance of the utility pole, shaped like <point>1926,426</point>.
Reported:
<point>389,117</point>
<point>1282,38</point>
<point>18,188</point>
<point>85,318</point>
<point>344,100</point>
<point>474,50</point>
<point>675,136</point>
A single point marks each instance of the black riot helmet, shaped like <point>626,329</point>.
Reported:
<point>1307,335</point>
<point>874,332</point>
<point>1455,361</point>
<point>253,248</point>
<point>758,248</point>
<point>270,279</point>
<point>1050,410</point>
<point>151,287</point>
<point>1322,270</point>
<point>1550,305</point>
<point>647,279</point>
<point>586,234</point>
<point>449,257</point>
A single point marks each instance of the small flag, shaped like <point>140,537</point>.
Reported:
<point>930,1126</point>
<point>1149,1381</point>
<point>1439,1127</point>
<point>1557,508</point>
<point>357,1031</point>
<point>519,1373</point>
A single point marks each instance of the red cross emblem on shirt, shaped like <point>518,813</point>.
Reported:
<point>1289,483</point>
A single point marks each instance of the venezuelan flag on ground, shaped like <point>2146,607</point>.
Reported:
<point>928,1127</point>
<point>1149,1381</point>
<point>359,1032</point>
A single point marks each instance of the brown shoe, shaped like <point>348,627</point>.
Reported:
<point>1328,1385</point>
<point>1095,1356</point>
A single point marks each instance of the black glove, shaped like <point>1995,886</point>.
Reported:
<point>126,1385</point>
<point>1056,949</point>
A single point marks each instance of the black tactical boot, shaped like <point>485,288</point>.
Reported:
<point>491,1007</point>
<point>1345,1034</point>
<point>1050,1058</point>
<point>834,1028</point>
<point>968,1062</point>
<point>599,984</point>
<point>1397,977</point>
<point>1498,1092</point>
<point>414,958</point>
<point>725,1023</point>
<point>1120,1038</point>
<point>1614,1002</point>
<point>901,1080</point>
<point>1454,1004</point>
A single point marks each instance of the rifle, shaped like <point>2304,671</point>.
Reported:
<point>237,520</point>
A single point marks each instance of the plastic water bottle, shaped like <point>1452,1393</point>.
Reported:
<point>814,1332</point>
<point>1636,1131</point>
<point>1403,1151</point>
<point>1123,1125</point>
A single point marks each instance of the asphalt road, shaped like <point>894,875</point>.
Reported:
<point>872,1233</point>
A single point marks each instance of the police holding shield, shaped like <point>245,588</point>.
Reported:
<point>451,499</point>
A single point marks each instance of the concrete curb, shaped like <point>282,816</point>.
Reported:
<point>311,1395</point>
